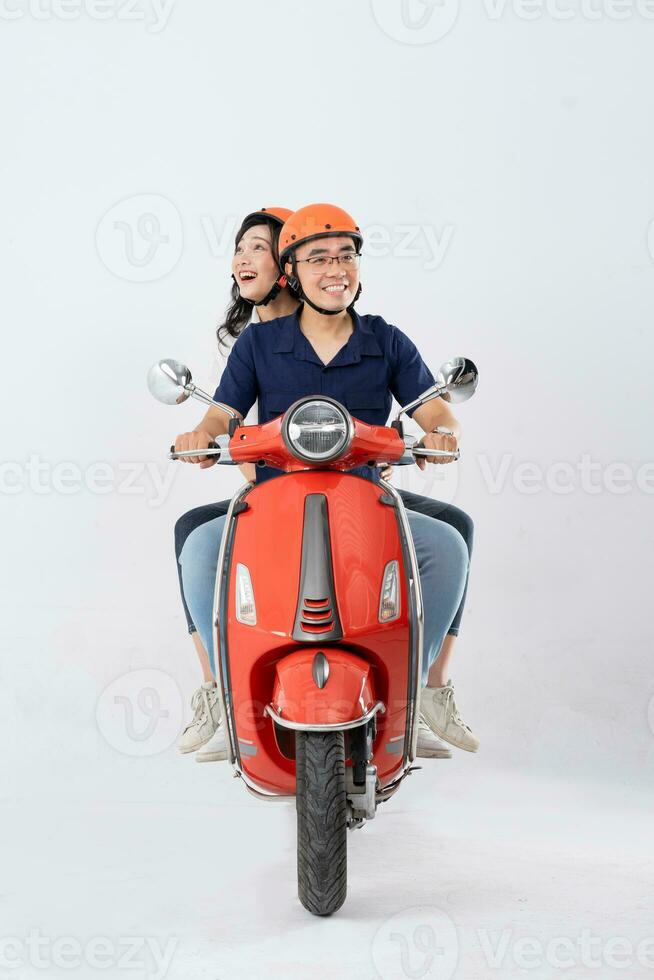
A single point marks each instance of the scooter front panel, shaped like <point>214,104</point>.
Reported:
<point>364,538</point>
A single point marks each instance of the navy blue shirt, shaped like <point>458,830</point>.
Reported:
<point>275,363</point>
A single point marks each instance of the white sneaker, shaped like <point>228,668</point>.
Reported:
<point>438,708</point>
<point>216,748</point>
<point>206,718</point>
<point>430,747</point>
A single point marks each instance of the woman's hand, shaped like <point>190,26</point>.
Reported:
<point>386,473</point>
<point>195,440</point>
<point>437,440</point>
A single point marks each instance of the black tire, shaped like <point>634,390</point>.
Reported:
<point>321,821</point>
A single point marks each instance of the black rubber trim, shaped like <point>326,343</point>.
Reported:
<point>230,531</point>
<point>388,500</point>
<point>413,633</point>
<point>316,575</point>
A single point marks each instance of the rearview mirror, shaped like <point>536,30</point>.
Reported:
<point>456,381</point>
<point>169,381</point>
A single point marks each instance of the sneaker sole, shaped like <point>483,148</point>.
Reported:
<point>434,755</point>
<point>450,741</point>
<point>211,757</point>
<point>195,747</point>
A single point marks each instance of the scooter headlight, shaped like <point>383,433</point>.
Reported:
<point>317,430</point>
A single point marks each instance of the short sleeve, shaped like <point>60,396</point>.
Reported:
<point>238,386</point>
<point>410,375</point>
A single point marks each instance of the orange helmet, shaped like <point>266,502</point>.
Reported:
<point>280,215</point>
<point>316,221</point>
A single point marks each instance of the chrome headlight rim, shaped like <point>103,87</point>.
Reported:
<point>295,451</point>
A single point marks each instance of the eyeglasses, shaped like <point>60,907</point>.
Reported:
<point>349,260</point>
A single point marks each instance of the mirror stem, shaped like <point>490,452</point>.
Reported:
<point>434,392</point>
<point>202,396</point>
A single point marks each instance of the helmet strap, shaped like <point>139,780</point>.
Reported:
<point>272,293</point>
<point>359,291</point>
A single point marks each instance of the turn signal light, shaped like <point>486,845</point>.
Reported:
<point>389,600</point>
<point>246,611</point>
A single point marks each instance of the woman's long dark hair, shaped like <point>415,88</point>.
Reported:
<point>239,311</point>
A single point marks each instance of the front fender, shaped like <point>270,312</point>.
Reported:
<point>346,698</point>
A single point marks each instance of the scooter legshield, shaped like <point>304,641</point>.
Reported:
<point>369,661</point>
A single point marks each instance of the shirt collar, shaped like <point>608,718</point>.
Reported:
<point>290,338</point>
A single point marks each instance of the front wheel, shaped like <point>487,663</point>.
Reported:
<point>321,821</point>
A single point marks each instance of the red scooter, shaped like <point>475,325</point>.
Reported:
<point>318,617</point>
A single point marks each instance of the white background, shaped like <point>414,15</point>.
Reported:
<point>503,172</point>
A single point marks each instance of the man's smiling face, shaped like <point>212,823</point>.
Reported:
<point>328,283</point>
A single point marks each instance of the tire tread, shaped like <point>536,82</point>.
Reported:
<point>321,821</point>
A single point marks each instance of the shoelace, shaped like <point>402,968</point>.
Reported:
<point>200,705</point>
<point>450,704</point>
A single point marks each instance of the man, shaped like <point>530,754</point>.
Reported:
<point>327,348</point>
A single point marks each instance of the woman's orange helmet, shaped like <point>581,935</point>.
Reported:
<point>316,221</point>
<point>280,215</point>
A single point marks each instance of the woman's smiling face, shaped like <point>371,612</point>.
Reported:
<point>254,265</point>
<point>330,284</point>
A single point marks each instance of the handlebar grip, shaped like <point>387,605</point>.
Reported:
<point>195,452</point>
<point>421,453</point>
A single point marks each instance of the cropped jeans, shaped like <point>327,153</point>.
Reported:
<point>442,557</point>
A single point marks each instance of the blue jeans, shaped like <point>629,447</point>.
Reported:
<point>442,563</point>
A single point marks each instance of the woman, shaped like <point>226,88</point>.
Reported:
<point>259,293</point>
<point>336,300</point>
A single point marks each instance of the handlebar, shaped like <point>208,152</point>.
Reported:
<point>211,450</point>
<point>409,457</point>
